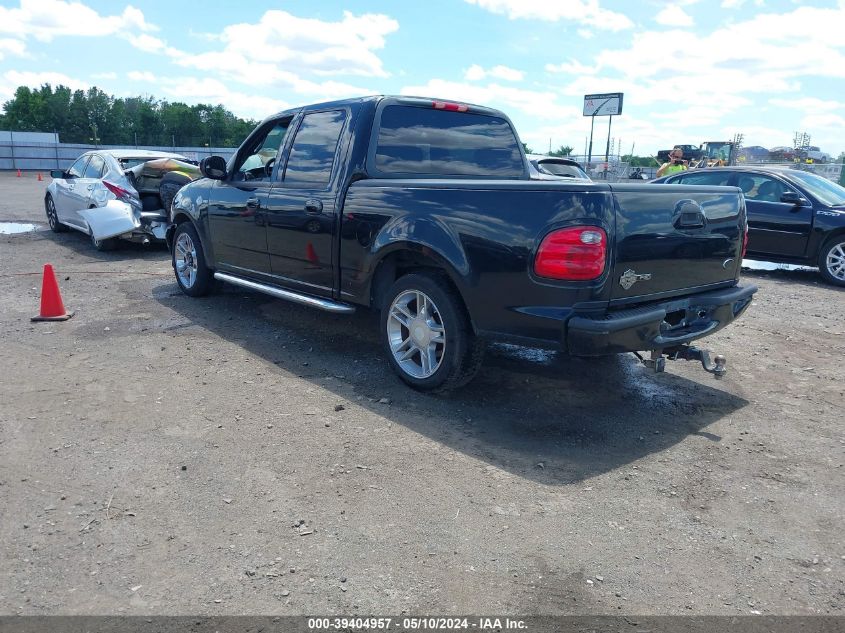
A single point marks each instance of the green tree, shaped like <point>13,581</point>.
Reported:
<point>80,116</point>
<point>563,150</point>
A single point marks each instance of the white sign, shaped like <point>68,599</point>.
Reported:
<point>603,105</point>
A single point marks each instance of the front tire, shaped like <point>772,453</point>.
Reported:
<point>193,276</point>
<point>832,260</point>
<point>426,334</point>
<point>52,216</point>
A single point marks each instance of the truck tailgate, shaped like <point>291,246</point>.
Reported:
<point>675,238</point>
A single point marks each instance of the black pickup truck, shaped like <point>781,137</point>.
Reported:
<point>425,211</point>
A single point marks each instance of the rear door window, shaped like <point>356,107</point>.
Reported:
<point>95,167</point>
<point>312,154</point>
<point>426,141</point>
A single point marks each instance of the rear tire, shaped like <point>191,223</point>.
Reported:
<point>832,260</point>
<point>52,216</point>
<point>426,334</point>
<point>195,279</point>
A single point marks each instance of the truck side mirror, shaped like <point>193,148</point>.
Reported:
<point>213,167</point>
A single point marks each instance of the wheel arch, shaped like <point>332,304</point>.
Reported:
<point>180,217</point>
<point>401,258</point>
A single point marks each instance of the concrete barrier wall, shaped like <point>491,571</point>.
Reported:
<point>20,150</point>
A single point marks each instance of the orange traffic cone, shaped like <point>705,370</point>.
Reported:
<point>19,173</point>
<point>40,179</point>
<point>52,308</point>
<point>311,254</point>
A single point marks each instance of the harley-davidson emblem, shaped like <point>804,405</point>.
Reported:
<point>630,277</point>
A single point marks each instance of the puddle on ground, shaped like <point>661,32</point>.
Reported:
<point>754,264</point>
<point>531,354</point>
<point>13,228</point>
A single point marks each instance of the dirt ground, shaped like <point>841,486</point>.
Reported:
<point>241,455</point>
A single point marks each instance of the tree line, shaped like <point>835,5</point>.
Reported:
<point>92,116</point>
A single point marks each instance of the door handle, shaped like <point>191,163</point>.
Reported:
<point>314,206</point>
<point>90,187</point>
<point>253,203</point>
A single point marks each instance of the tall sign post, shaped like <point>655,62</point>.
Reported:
<point>607,104</point>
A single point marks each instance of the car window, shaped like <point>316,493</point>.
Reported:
<point>704,178</point>
<point>437,142</point>
<point>78,168</point>
<point>313,151</point>
<point>827,191</point>
<point>560,169</point>
<point>95,167</point>
<point>761,188</point>
<point>256,161</point>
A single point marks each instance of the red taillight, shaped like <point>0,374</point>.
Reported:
<point>451,107</point>
<point>119,192</point>
<point>576,253</point>
<point>745,241</point>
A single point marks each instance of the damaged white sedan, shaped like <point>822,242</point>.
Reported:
<point>117,194</point>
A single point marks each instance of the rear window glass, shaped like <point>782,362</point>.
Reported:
<point>425,141</point>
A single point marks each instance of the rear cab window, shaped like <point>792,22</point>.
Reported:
<point>413,140</point>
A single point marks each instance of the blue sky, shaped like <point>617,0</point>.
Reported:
<point>691,70</point>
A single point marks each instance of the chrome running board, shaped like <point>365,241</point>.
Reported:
<point>315,302</point>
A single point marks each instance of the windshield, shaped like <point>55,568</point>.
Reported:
<point>824,190</point>
<point>561,169</point>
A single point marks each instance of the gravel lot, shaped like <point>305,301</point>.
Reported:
<point>239,454</point>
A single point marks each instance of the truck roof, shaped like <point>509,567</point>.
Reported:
<point>408,99</point>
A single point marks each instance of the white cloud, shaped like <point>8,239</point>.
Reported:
<point>508,74</point>
<point>12,79</point>
<point>248,105</point>
<point>587,34</point>
<point>137,75</point>
<point>12,47</point>
<point>572,67</point>
<point>284,41</point>
<point>46,19</point>
<point>474,73</point>
<point>586,12</point>
<point>477,73</point>
<point>673,15</point>
<point>805,104</point>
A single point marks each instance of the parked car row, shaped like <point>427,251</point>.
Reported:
<point>794,217</point>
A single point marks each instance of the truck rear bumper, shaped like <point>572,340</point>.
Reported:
<point>659,325</point>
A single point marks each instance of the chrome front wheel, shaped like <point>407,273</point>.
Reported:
<point>185,260</point>
<point>195,279</point>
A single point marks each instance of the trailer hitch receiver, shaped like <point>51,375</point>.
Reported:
<point>657,362</point>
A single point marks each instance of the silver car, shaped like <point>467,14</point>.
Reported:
<point>555,168</point>
<point>117,193</point>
